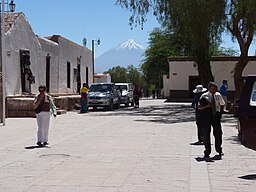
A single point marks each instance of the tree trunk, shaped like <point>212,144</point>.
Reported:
<point>238,75</point>
<point>204,67</point>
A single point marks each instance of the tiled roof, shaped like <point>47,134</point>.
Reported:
<point>10,18</point>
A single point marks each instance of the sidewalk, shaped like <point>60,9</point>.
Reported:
<point>137,150</point>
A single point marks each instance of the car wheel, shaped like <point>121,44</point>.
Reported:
<point>118,104</point>
<point>127,104</point>
<point>111,106</point>
<point>242,138</point>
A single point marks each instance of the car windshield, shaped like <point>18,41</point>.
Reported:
<point>122,87</point>
<point>100,88</point>
<point>254,96</point>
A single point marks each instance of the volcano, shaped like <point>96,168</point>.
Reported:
<point>127,53</point>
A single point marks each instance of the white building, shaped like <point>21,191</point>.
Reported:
<point>102,78</point>
<point>183,75</point>
<point>59,63</point>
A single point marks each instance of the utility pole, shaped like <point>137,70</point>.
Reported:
<point>94,43</point>
<point>92,61</point>
<point>3,58</point>
<point>2,68</point>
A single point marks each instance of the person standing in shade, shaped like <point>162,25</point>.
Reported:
<point>44,102</point>
<point>223,92</point>
<point>198,92</point>
<point>153,93</point>
<point>84,98</point>
<point>216,104</point>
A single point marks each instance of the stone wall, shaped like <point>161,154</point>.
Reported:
<point>23,106</point>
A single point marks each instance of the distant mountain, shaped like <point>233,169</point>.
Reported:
<point>127,53</point>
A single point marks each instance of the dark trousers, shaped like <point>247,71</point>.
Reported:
<point>84,105</point>
<point>199,127</point>
<point>217,133</point>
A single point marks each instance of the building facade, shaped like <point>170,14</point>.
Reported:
<point>31,60</point>
<point>183,75</point>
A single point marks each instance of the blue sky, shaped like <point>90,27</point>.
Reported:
<point>91,19</point>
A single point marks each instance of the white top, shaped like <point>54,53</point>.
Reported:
<point>219,101</point>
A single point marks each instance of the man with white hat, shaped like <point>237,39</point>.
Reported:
<point>198,92</point>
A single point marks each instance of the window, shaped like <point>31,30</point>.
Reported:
<point>87,76</point>
<point>75,75</point>
<point>101,88</point>
<point>48,61</point>
<point>68,74</point>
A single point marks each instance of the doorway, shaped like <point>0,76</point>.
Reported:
<point>87,75</point>
<point>193,82</point>
<point>48,72</point>
<point>25,71</point>
<point>78,75</point>
<point>78,78</point>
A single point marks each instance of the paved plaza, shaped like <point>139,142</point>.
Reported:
<point>149,149</point>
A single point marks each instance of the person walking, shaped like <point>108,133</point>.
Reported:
<point>136,96</point>
<point>84,98</point>
<point>197,94</point>
<point>43,105</point>
<point>216,104</point>
<point>223,92</point>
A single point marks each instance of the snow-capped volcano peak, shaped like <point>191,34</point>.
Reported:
<point>130,44</point>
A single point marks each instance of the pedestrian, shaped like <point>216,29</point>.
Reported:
<point>197,94</point>
<point>158,94</point>
<point>153,94</point>
<point>136,96</point>
<point>147,93</point>
<point>216,104</point>
<point>223,92</point>
<point>44,105</point>
<point>84,98</point>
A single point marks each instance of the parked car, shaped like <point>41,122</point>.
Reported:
<point>126,90</point>
<point>247,113</point>
<point>104,95</point>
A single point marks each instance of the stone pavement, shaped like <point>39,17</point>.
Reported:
<point>149,149</point>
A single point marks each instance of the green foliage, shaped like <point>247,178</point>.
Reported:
<point>199,22</point>
<point>126,75</point>
<point>241,23</point>
<point>162,44</point>
<point>241,20</point>
<point>118,74</point>
<point>222,51</point>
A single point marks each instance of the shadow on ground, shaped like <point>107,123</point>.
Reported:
<point>210,159</point>
<point>167,114</point>
<point>36,147</point>
<point>248,177</point>
<point>233,140</point>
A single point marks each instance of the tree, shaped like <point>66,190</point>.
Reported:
<point>126,75</point>
<point>162,44</point>
<point>134,76</point>
<point>216,50</point>
<point>198,21</point>
<point>241,22</point>
<point>118,74</point>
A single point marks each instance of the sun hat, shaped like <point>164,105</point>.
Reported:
<point>199,89</point>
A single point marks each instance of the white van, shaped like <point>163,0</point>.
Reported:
<point>126,90</point>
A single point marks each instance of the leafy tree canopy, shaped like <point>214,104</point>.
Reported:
<point>126,75</point>
<point>199,22</point>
